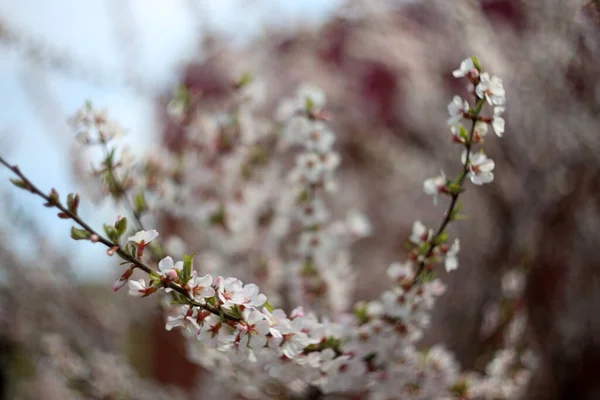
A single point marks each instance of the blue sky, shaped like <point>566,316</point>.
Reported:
<point>37,101</point>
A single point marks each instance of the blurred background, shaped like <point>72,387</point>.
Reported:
<point>386,67</point>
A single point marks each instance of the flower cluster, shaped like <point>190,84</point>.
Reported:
<point>92,126</point>
<point>232,326</point>
<point>324,270</point>
<point>488,90</point>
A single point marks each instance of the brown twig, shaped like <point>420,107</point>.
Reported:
<point>101,239</point>
<point>455,194</point>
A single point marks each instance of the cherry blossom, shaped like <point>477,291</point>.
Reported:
<point>480,167</point>
<point>457,108</point>
<point>420,233</point>
<point>186,318</point>
<point>139,288</point>
<point>498,121</point>
<point>492,89</point>
<point>451,261</point>
<point>169,269</point>
<point>252,330</point>
<point>467,67</point>
<point>200,287</point>
<point>435,186</point>
<point>143,237</point>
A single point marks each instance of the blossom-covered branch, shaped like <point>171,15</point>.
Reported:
<point>233,327</point>
<point>87,233</point>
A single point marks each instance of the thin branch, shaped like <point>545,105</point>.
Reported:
<point>101,239</point>
<point>455,194</point>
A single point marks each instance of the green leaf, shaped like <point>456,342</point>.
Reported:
<point>455,188</point>
<point>79,234</point>
<point>70,201</point>
<point>442,238</point>
<point>183,95</point>
<point>20,184</point>
<point>121,226</point>
<point>218,218</point>
<point>139,201</point>
<point>53,199</point>
<point>188,266</point>
<point>178,298</point>
<point>245,80</point>
<point>309,104</point>
<point>476,63</point>
<point>361,314</point>
<point>268,306</point>
<point>131,249</point>
<point>463,133</point>
<point>234,312</point>
<point>461,217</point>
<point>110,160</point>
<point>112,233</point>
<point>304,196</point>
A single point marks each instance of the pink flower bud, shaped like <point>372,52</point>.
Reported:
<point>122,280</point>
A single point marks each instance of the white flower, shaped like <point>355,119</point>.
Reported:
<point>491,89</point>
<point>200,287</point>
<point>420,233</point>
<point>168,269</point>
<point>456,109</point>
<point>343,373</point>
<point>176,109</point>
<point>252,296</point>
<point>330,160</point>
<point>435,186</point>
<point>311,94</point>
<point>311,242</point>
<point>480,167</point>
<point>320,138</point>
<point>451,259</point>
<point>498,121</point>
<point>297,129</point>
<point>276,319</point>
<point>213,332</point>
<point>186,318</point>
<point>466,67</point>
<point>293,341</point>
<point>143,237</point>
<point>358,224</point>
<point>138,288</point>
<point>310,166</point>
<point>313,213</point>
<point>230,291</point>
<point>502,361</point>
<point>401,271</point>
<point>480,130</point>
<point>513,283</point>
<point>252,330</point>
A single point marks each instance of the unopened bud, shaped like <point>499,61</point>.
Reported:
<point>149,291</point>
<point>119,283</point>
<point>94,238</point>
<point>112,250</point>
